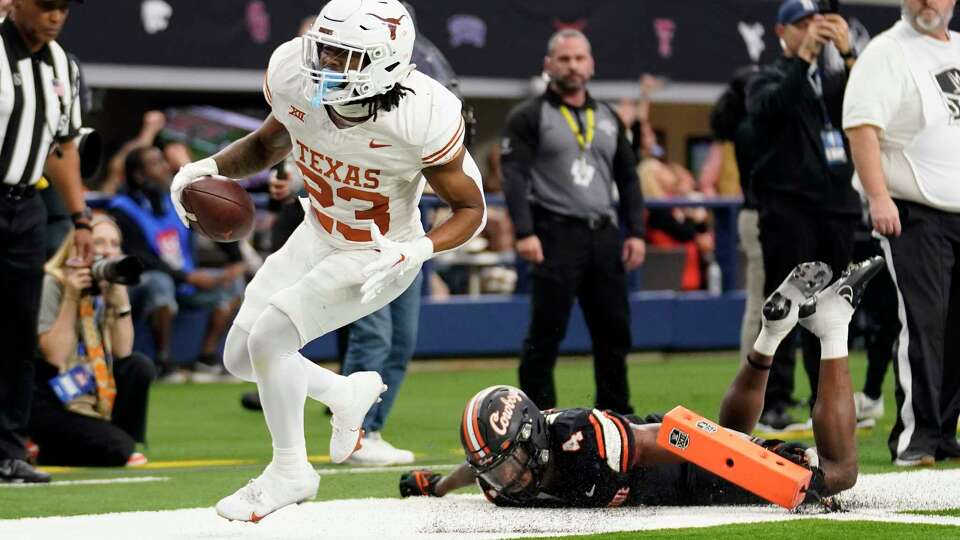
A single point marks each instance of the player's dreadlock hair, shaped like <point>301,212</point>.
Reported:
<point>386,101</point>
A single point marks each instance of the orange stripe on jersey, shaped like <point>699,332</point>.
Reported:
<point>624,443</point>
<point>598,432</point>
<point>436,156</point>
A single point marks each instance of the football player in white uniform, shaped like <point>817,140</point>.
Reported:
<point>366,131</point>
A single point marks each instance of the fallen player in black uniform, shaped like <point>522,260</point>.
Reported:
<point>521,456</point>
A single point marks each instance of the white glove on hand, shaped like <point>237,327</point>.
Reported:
<point>395,260</point>
<point>777,323</point>
<point>190,173</point>
<point>830,322</point>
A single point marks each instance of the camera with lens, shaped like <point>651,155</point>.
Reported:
<point>123,269</point>
<point>828,6</point>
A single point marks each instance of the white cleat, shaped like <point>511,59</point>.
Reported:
<point>376,451</point>
<point>346,436</point>
<point>266,494</point>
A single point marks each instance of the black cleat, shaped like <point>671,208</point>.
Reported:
<point>853,282</point>
<point>804,282</point>
<point>850,286</point>
<point>18,470</point>
<point>251,401</point>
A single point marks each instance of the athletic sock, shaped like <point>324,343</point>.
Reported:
<point>325,386</point>
<point>290,462</point>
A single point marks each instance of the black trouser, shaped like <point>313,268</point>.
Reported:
<point>926,270</point>
<point>288,217</point>
<point>791,234</point>
<point>583,263</point>
<point>22,251</point>
<point>684,484</point>
<point>71,439</point>
<point>878,310</point>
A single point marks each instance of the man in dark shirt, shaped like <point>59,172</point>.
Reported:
<point>802,169</point>
<point>562,155</point>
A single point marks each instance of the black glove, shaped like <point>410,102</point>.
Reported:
<point>419,483</point>
<point>795,452</point>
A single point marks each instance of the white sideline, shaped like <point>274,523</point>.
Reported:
<point>878,497</point>
<point>124,480</point>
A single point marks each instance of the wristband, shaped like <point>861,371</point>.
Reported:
<point>82,225</point>
<point>757,365</point>
<point>85,215</point>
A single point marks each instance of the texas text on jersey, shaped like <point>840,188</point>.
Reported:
<point>371,172</point>
<point>591,455</point>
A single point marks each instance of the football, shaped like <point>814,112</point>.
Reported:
<point>223,209</point>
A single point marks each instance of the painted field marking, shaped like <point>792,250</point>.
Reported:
<point>96,481</point>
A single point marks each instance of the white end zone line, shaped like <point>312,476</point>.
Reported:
<point>124,480</point>
<point>880,497</point>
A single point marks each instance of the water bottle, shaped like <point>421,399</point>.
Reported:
<point>714,279</point>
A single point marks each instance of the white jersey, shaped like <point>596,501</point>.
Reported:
<point>904,84</point>
<point>368,173</point>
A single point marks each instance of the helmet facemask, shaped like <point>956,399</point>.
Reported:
<point>335,71</point>
<point>518,470</point>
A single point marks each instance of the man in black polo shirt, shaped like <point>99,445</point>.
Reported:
<point>39,119</point>
<point>562,154</point>
<point>802,171</point>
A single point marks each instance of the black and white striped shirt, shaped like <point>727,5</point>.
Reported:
<point>39,105</point>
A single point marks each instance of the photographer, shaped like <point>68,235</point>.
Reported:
<point>802,169</point>
<point>85,328</point>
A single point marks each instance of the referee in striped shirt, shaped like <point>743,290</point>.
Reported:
<point>39,120</point>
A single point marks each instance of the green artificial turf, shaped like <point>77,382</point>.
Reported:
<point>808,529</point>
<point>206,422</point>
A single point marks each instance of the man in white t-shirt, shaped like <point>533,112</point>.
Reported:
<point>367,131</point>
<point>902,116</point>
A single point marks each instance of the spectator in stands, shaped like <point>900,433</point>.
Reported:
<point>563,152</point>
<point>730,122</point>
<point>802,171</point>
<point>80,329</point>
<point>152,232</point>
<point>678,227</point>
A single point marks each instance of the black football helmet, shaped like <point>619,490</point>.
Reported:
<point>505,438</point>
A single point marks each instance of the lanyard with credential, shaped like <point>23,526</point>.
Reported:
<point>832,139</point>
<point>583,139</point>
<point>815,78</point>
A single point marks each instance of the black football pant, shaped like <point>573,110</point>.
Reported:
<point>881,325</point>
<point>22,252</point>
<point>70,439</point>
<point>580,263</point>
<point>925,265</point>
<point>792,234</point>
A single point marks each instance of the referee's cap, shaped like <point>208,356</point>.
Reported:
<point>792,11</point>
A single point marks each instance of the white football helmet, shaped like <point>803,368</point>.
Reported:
<point>356,49</point>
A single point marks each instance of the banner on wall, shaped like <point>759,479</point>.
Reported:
<point>225,44</point>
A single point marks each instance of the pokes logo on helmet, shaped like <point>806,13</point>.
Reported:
<point>500,420</point>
